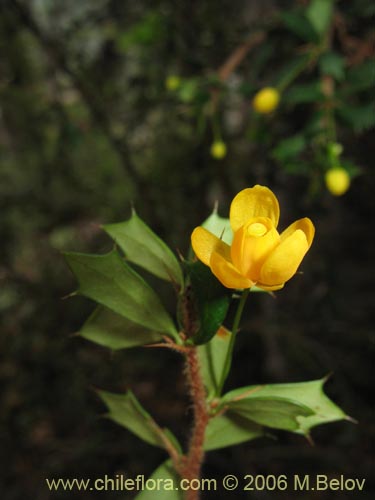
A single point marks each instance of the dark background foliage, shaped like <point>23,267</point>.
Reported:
<point>87,127</point>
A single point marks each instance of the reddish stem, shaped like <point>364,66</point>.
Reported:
<point>192,464</point>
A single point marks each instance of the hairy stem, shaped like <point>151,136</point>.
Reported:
<point>193,461</point>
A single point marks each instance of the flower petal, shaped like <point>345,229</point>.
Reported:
<point>204,243</point>
<point>227,274</point>
<point>305,225</point>
<point>270,288</point>
<point>283,262</point>
<point>258,201</point>
<point>249,250</point>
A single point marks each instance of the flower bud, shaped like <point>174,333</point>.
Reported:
<point>172,82</point>
<point>337,181</point>
<point>266,100</point>
<point>218,150</point>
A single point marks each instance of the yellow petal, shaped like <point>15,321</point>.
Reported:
<point>252,244</point>
<point>305,225</point>
<point>258,201</point>
<point>283,262</point>
<point>204,243</point>
<point>270,288</point>
<point>227,274</point>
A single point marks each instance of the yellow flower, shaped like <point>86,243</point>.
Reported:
<point>266,100</point>
<point>337,180</point>
<point>218,150</point>
<point>259,255</point>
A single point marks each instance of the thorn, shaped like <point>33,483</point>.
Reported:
<point>180,256</point>
<point>351,419</point>
<point>132,208</point>
<point>72,294</point>
<point>327,377</point>
<point>309,440</point>
<point>216,207</point>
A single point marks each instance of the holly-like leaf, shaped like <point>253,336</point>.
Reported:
<point>272,411</point>
<point>310,394</point>
<point>219,226</point>
<point>167,478</point>
<point>125,410</point>
<point>204,303</point>
<point>212,356</point>
<point>106,328</point>
<point>144,248</point>
<point>108,280</point>
<point>230,429</point>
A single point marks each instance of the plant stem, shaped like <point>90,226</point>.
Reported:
<point>236,323</point>
<point>193,460</point>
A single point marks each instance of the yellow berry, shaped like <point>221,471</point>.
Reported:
<point>337,180</point>
<point>172,82</point>
<point>218,150</point>
<point>266,100</point>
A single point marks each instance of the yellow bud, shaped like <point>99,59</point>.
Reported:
<point>266,100</point>
<point>218,150</point>
<point>337,180</point>
<point>172,82</point>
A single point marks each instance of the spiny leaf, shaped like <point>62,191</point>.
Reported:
<point>108,280</point>
<point>273,411</point>
<point>167,477</point>
<point>309,394</point>
<point>144,248</point>
<point>219,226</point>
<point>125,410</point>
<point>106,328</point>
<point>230,429</point>
<point>212,356</point>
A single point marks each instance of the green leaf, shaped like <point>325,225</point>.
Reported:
<point>291,69</point>
<point>230,429</point>
<point>125,410</point>
<point>219,226</point>
<point>360,118</point>
<point>304,93</point>
<point>310,394</point>
<point>360,77</point>
<point>332,64</point>
<point>144,248</point>
<point>272,411</point>
<point>148,30</point>
<point>319,13</point>
<point>289,148</point>
<point>204,303</point>
<point>212,356</point>
<point>298,24</point>
<point>106,328</point>
<point>108,280</point>
<point>168,479</point>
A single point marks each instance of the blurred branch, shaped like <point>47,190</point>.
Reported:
<point>239,54</point>
<point>232,62</point>
<point>89,94</point>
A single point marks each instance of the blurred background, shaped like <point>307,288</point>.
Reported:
<point>105,103</point>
